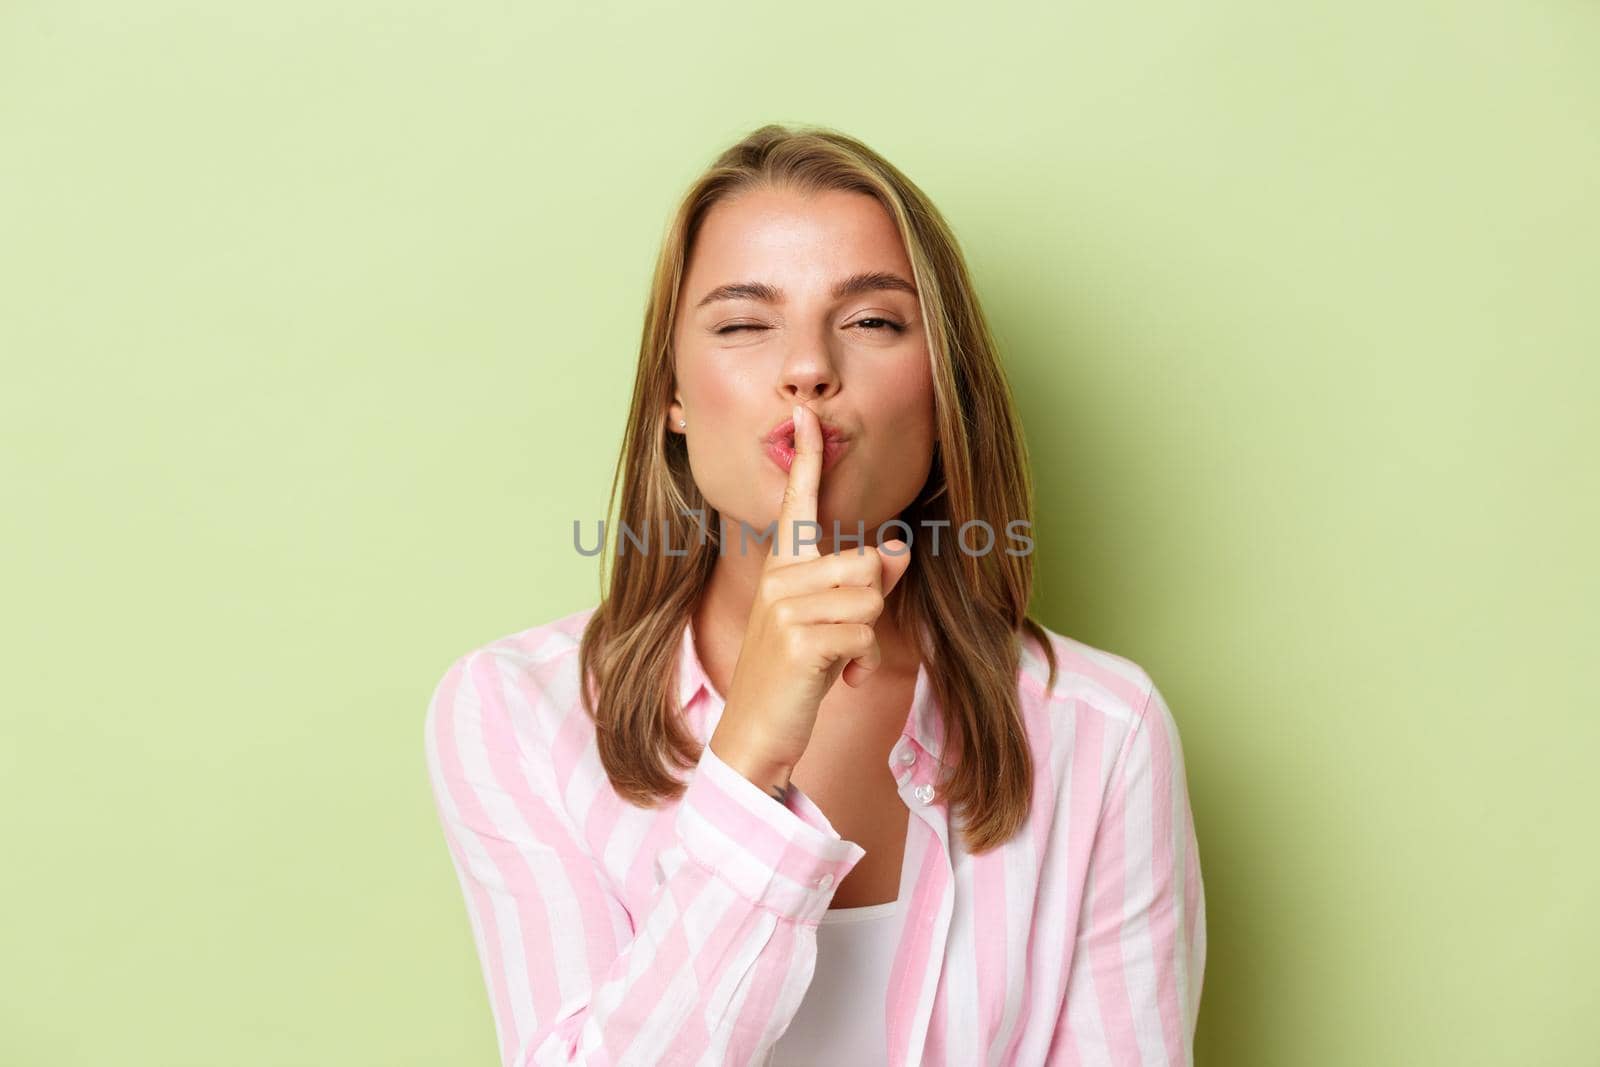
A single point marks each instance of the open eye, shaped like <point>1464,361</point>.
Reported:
<point>890,324</point>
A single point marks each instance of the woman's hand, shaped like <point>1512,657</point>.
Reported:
<point>811,623</point>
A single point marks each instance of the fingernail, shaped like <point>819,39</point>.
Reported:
<point>797,414</point>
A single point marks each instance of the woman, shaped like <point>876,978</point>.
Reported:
<point>977,849</point>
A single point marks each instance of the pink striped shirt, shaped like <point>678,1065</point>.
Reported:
<point>687,934</point>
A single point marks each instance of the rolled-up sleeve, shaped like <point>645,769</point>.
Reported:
<point>715,967</point>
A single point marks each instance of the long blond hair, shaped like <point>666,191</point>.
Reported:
<point>967,611</point>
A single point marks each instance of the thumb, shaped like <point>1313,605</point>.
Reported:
<point>896,556</point>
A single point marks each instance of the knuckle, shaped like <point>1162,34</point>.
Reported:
<point>796,643</point>
<point>773,586</point>
<point>863,599</point>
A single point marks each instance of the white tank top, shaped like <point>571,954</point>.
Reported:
<point>841,1018</point>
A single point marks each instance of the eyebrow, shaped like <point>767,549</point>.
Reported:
<point>865,282</point>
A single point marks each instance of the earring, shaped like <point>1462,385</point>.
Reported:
<point>682,423</point>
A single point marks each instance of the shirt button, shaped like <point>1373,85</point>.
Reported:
<point>825,881</point>
<point>923,793</point>
<point>907,756</point>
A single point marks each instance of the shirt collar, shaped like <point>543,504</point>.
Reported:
<point>924,723</point>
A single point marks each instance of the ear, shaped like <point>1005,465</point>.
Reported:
<point>675,415</point>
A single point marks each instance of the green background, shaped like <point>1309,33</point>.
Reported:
<point>318,325</point>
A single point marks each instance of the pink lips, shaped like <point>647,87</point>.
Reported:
<point>780,445</point>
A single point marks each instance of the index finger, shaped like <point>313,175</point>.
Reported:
<point>797,518</point>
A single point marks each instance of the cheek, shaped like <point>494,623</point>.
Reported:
<point>711,386</point>
<point>719,401</point>
<point>906,398</point>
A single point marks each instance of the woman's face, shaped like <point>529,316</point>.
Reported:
<point>764,324</point>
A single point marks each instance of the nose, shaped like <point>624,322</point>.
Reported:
<point>808,378</point>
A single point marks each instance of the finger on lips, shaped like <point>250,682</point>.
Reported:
<point>800,495</point>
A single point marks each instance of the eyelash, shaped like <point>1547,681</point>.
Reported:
<point>893,326</point>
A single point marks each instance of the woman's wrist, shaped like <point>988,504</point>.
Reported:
<point>772,779</point>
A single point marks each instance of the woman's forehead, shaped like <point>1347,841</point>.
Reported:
<point>796,243</point>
